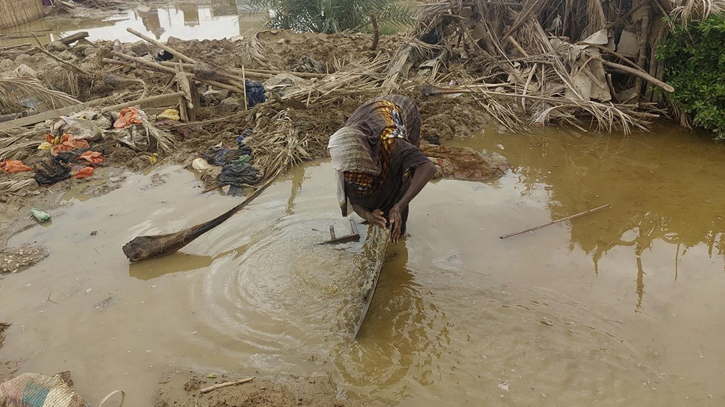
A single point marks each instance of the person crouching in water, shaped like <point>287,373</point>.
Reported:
<point>378,165</point>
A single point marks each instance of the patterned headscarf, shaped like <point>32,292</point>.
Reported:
<point>351,152</point>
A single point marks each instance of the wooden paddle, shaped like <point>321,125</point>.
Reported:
<point>148,247</point>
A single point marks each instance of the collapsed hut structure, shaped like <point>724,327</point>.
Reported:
<point>584,63</point>
<point>17,12</point>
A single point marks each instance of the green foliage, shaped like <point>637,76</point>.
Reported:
<point>695,66</point>
<point>330,16</point>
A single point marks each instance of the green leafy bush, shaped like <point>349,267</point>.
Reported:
<point>330,16</point>
<point>695,65</point>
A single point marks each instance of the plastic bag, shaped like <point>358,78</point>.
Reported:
<point>129,116</point>
<point>80,129</point>
<point>37,390</point>
<point>13,166</point>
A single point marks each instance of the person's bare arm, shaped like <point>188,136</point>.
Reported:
<point>423,173</point>
<point>375,217</point>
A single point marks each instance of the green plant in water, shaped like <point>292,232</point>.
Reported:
<point>695,66</point>
<point>330,16</point>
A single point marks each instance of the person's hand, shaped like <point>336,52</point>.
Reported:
<point>396,223</point>
<point>376,218</point>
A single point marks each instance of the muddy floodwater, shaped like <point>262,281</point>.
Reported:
<point>623,307</point>
<point>202,19</point>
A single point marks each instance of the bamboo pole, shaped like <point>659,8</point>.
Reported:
<point>580,214</point>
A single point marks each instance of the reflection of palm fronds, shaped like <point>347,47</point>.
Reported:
<point>13,90</point>
<point>332,16</point>
<point>696,10</point>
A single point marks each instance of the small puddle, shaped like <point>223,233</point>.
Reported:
<point>622,307</point>
<point>203,20</point>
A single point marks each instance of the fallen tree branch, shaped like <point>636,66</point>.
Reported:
<point>162,46</point>
<point>638,73</point>
<point>72,67</point>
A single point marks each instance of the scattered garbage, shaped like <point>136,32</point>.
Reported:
<point>83,173</point>
<point>237,175</point>
<point>93,157</point>
<point>64,143</point>
<point>80,129</point>
<point>37,390</point>
<point>255,93</point>
<point>39,215</point>
<point>200,165</point>
<point>51,170</point>
<point>164,56</point>
<point>128,116</point>
<point>13,166</point>
<point>169,114</point>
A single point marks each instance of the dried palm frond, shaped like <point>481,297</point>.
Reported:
<point>695,10</point>
<point>253,52</point>
<point>163,139</point>
<point>15,186</point>
<point>11,146</point>
<point>62,79</point>
<point>280,145</point>
<point>13,90</point>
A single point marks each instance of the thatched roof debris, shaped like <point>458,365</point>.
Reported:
<point>531,62</point>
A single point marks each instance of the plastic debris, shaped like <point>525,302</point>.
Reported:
<point>50,170</point>
<point>255,93</point>
<point>127,117</point>
<point>237,175</point>
<point>170,114</point>
<point>13,166</point>
<point>65,143</point>
<point>200,165</point>
<point>80,129</point>
<point>93,157</point>
<point>84,173</point>
<point>39,215</point>
<point>37,390</point>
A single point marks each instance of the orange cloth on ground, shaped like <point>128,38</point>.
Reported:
<point>13,166</point>
<point>68,143</point>
<point>93,157</point>
<point>128,116</point>
<point>83,173</point>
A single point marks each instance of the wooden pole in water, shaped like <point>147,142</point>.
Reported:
<point>556,221</point>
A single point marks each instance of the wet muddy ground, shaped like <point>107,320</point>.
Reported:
<point>621,307</point>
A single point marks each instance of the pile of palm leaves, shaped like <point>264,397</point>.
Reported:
<point>584,63</point>
<point>324,16</point>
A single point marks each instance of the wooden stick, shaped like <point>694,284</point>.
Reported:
<point>160,68</point>
<point>376,31</point>
<point>518,46</point>
<point>167,97</point>
<point>640,74</point>
<point>266,73</point>
<point>244,87</point>
<point>162,46</point>
<point>556,221</point>
<point>227,384</point>
<point>66,63</point>
<point>616,54</point>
